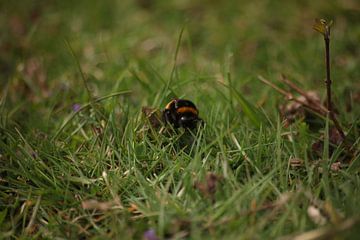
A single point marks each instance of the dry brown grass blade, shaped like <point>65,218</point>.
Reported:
<point>328,232</point>
<point>303,93</point>
<point>287,94</point>
<point>93,204</point>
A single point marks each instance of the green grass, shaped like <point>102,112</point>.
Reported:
<point>114,58</point>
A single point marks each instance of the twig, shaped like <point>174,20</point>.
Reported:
<point>321,108</point>
<point>323,27</point>
<point>290,97</point>
<point>327,60</point>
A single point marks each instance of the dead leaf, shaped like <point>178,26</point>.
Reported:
<point>335,140</point>
<point>209,187</point>
<point>296,162</point>
<point>336,166</point>
<point>294,110</point>
<point>154,116</point>
<point>133,208</point>
<point>335,137</point>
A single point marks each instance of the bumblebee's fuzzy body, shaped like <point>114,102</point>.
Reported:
<point>181,113</point>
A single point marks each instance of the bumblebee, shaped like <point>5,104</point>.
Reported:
<point>181,113</point>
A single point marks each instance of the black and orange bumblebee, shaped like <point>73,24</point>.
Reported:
<point>181,113</point>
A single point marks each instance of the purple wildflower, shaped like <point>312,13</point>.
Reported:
<point>150,235</point>
<point>76,107</point>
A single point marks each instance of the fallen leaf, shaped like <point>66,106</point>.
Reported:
<point>154,116</point>
<point>335,140</point>
<point>209,187</point>
<point>335,137</point>
<point>336,166</point>
<point>296,162</point>
<point>133,208</point>
<point>294,110</point>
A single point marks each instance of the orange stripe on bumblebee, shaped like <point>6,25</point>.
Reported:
<point>187,109</point>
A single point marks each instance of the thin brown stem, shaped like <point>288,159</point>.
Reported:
<point>327,61</point>
<point>283,92</point>
<point>328,82</point>
<point>293,86</point>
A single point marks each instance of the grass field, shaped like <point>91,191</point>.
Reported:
<point>79,160</point>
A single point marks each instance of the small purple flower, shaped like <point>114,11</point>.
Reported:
<point>150,235</point>
<point>76,107</point>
